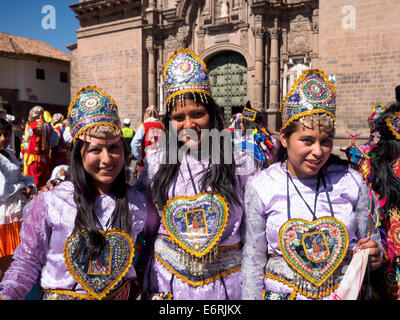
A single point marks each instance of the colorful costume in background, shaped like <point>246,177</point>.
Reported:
<point>146,135</point>
<point>359,156</point>
<point>291,251</point>
<point>60,152</point>
<point>388,125</point>
<point>12,200</point>
<point>259,143</point>
<point>197,250</point>
<point>48,244</point>
<point>41,138</point>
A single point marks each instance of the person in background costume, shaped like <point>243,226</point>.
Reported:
<point>127,134</point>
<point>146,135</point>
<point>15,191</point>
<point>253,137</point>
<point>197,249</point>
<point>307,213</point>
<point>385,182</point>
<point>80,237</point>
<point>359,156</point>
<point>59,153</point>
<point>40,139</point>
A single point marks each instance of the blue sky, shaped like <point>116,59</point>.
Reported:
<point>24,18</point>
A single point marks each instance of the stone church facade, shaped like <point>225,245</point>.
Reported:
<point>254,51</point>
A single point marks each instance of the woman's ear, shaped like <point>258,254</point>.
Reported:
<point>283,138</point>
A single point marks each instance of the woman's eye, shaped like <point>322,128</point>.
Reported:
<point>94,150</point>
<point>178,118</point>
<point>198,115</point>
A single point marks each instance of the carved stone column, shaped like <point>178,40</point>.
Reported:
<point>152,75</point>
<point>273,113</point>
<point>259,69</point>
<point>315,40</point>
<point>274,69</point>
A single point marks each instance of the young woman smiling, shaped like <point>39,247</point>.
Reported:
<point>301,232</point>
<point>197,247</point>
<point>80,236</point>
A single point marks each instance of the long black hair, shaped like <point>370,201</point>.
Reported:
<point>84,197</point>
<point>220,178</point>
<point>383,179</point>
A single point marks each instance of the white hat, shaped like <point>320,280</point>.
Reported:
<point>126,121</point>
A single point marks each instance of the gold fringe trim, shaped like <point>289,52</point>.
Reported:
<point>96,124</point>
<point>84,296</point>
<point>183,91</point>
<point>196,283</point>
<point>305,113</point>
<point>297,290</point>
<point>301,271</point>
<point>112,284</point>
<point>219,234</point>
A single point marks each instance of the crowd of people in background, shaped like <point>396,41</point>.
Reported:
<point>285,219</point>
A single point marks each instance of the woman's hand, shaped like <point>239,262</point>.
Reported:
<point>47,187</point>
<point>29,192</point>
<point>374,251</point>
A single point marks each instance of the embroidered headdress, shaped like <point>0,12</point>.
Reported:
<point>312,94</point>
<point>388,123</point>
<point>93,112</point>
<point>185,72</point>
<point>376,112</point>
<point>57,118</point>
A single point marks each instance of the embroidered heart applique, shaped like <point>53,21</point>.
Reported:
<point>196,223</point>
<point>100,275</point>
<point>314,249</point>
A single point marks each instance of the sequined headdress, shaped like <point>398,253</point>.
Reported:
<point>376,112</point>
<point>36,113</point>
<point>312,94</point>
<point>57,118</point>
<point>185,72</point>
<point>93,112</point>
<point>388,123</point>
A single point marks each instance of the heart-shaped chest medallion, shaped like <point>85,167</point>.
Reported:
<point>99,276</point>
<point>314,249</point>
<point>196,223</point>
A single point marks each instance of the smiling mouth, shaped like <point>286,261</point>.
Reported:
<point>314,162</point>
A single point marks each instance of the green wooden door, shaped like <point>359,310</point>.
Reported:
<point>228,77</point>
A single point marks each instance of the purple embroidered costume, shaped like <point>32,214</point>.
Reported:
<point>48,221</point>
<point>174,274</point>
<point>266,212</point>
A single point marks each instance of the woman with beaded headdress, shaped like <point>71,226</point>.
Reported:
<point>385,182</point>
<point>302,230</point>
<point>198,190</point>
<point>80,237</point>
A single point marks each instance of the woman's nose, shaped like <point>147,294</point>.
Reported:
<point>188,123</point>
<point>317,150</point>
<point>105,156</point>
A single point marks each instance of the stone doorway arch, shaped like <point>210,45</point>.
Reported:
<point>228,77</point>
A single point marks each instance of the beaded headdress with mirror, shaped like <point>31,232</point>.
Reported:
<point>313,95</point>
<point>185,72</point>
